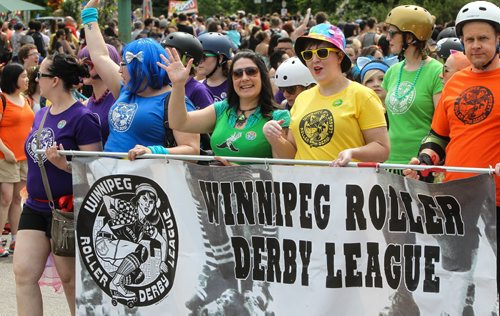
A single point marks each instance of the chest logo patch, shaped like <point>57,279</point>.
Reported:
<point>128,239</point>
<point>316,128</point>
<point>61,124</point>
<point>474,105</point>
<point>47,138</point>
<point>401,105</point>
<point>229,143</point>
<point>122,115</point>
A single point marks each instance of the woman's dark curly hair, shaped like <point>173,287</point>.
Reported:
<point>68,68</point>
<point>266,101</point>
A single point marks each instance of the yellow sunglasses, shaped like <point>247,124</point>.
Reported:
<point>322,53</point>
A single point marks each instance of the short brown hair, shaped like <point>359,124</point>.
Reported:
<point>24,52</point>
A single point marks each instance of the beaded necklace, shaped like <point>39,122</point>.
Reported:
<point>396,93</point>
<point>101,98</point>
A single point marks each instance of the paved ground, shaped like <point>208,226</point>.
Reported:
<point>54,303</point>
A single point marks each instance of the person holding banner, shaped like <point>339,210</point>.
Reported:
<point>236,122</point>
<point>465,130</point>
<point>67,124</point>
<point>140,88</point>
<point>338,120</point>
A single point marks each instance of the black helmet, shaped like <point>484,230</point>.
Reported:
<point>447,32</point>
<point>217,43</point>
<point>186,44</point>
<point>446,44</point>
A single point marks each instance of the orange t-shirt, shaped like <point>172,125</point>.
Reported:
<point>15,126</point>
<point>469,114</point>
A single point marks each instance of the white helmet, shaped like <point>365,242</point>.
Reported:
<point>292,72</point>
<point>478,11</point>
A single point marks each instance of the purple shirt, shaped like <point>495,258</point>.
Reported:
<point>279,97</point>
<point>198,93</point>
<point>101,108</point>
<point>219,92</point>
<point>73,127</point>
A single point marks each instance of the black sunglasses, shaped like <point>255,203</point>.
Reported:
<point>41,75</point>
<point>289,90</point>
<point>249,71</point>
<point>393,33</point>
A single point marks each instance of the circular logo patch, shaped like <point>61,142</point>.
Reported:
<point>316,128</point>
<point>250,135</point>
<point>400,106</point>
<point>61,124</point>
<point>474,105</point>
<point>128,239</point>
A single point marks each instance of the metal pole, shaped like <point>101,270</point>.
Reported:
<point>124,25</point>
<point>268,161</point>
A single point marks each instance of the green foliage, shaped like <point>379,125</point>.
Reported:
<point>338,10</point>
<point>71,8</point>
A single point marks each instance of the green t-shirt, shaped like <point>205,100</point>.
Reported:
<point>250,141</point>
<point>410,115</point>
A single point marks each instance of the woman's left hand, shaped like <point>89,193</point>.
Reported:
<point>138,150</point>
<point>343,158</point>
<point>55,158</point>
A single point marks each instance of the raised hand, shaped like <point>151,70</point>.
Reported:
<point>177,72</point>
<point>92,4</point>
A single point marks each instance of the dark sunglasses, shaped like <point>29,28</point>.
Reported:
<point>206,55</point>
<point>41,75</point>
<point>249,71</point>
<point>289,90</point>
<point>322,53</point>
<point>393,33</point>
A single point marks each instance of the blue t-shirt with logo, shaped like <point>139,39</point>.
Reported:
<point>135,119</point>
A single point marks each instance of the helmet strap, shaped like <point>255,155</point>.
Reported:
<point>217,65</point>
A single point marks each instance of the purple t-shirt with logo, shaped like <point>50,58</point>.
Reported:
<point>198,93</point>
<point>71,128</point>
<point>219,92</point>
<point>101,108</point>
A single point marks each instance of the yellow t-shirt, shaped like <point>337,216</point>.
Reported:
<point>323,126</point>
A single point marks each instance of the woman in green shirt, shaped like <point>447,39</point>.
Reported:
<point>235,123</point>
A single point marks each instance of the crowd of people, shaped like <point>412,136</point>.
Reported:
<point>403,91</point>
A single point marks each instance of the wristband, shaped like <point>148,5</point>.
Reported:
<point>158,150</point>
<point>89,15</point>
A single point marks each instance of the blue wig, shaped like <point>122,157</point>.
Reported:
<point>146,73</point>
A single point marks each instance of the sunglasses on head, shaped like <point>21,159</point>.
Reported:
<point>322,53</point>
<point>289,90</point>
<point>249,71</point>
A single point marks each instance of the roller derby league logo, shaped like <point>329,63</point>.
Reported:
<point>128,239</point>
<point>474,105</point>
<point>316,128</point>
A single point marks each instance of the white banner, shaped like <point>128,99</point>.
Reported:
<point>158,237</point>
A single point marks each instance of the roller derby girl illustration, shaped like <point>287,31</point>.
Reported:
<point>130,257</point>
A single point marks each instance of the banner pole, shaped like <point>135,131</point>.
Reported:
<point>268,161</point>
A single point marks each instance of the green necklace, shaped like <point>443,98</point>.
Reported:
<point>396,93</point>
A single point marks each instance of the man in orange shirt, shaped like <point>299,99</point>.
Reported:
<point>465,129</point>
